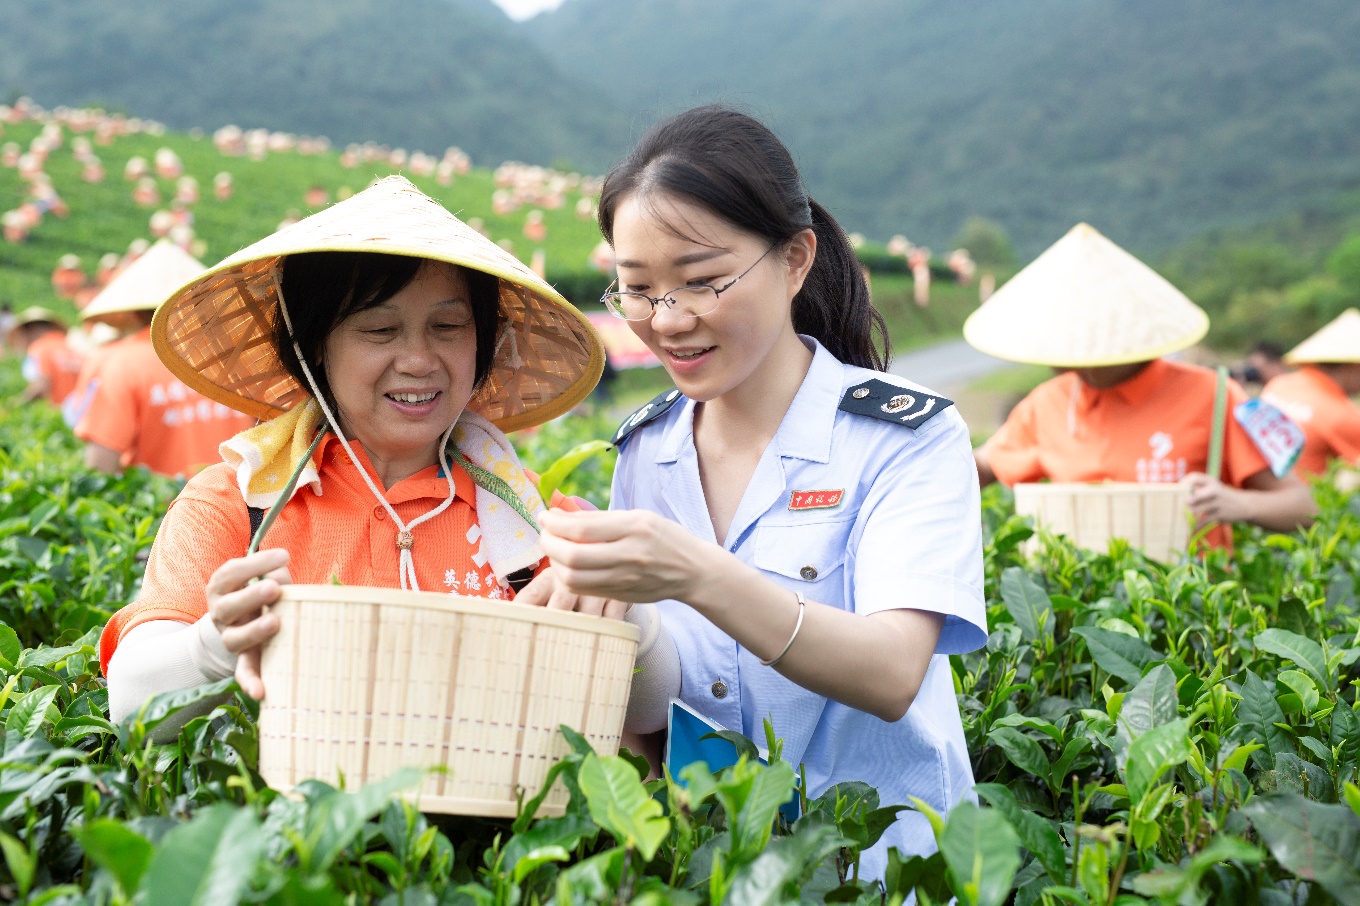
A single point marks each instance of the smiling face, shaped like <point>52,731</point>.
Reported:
<point>662,243</point>
<point>401,372</point>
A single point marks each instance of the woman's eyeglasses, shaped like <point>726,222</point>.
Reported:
<point>697,300</point>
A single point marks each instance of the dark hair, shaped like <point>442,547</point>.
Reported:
<point>734,166</point>
<point>322,289</point>
<point>1268,348</point>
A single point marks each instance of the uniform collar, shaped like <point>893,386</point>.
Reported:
<point>804,433</point>
<point>1134,391</point>
<point>428,482</point>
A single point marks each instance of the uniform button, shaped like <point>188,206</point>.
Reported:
<point>379,513</point>
<point>720,689</point>
<point>808,572</point>
<point>861,393</point>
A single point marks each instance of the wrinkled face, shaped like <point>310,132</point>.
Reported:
<point>402,372</point>
<point>661,243</point>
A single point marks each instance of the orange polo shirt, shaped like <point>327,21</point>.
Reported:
<point>77,402</point>
<point>1318,405</point>
<point>1154,427</point>
<point>147,414</point>
<point>53,359</point>
<point>343,535</point>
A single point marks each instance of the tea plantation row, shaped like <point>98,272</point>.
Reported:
<point>1140,733</point>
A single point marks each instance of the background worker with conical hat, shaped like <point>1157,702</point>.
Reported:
<point>388,346</point>
<point>1118,411</point>
<point>1317,396</point>
<point>131,410</point>
<point>50,366</point>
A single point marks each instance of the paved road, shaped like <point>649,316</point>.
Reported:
<point>947,364</point>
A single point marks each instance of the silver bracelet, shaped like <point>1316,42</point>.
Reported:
<point>802,606</point>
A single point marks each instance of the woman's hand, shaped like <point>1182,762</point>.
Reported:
<point>547,591</point>
<point>1213,501</point>
<point>629,555</point>
<point>238,610</point>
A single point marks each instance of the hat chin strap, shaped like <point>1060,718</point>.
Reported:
<point>405,539</point>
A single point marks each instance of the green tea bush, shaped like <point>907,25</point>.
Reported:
<point>1141,732</point>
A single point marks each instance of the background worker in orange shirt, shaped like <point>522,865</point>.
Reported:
<point>1317,396</point>
<point>136,413</point>
<point>50,365</point>
<point>1119,411</point>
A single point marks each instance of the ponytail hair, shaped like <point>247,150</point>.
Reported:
<point>733,165</point>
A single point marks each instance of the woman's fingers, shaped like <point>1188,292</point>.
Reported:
<point>616,610</point>
<point>594,527</point>
<point>539,590</point>
<point>248,636</point>
<point>230,609</point>
<point>234,574</point>
<point>248,674</point>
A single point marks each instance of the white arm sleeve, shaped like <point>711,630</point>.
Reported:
<point>657,677</point>
<point>162,656</point>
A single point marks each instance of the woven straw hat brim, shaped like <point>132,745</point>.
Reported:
<point>146,282</point>
<point>215,333</point>
<point>1085,303</point>
<point>1338,342</point>
<point>34,314</point>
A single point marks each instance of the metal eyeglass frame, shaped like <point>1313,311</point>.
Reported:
<point>667,297</point>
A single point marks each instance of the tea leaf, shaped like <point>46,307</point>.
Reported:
<point>1259,712</point>
<point>1149,704</point>
<point>208,861</point>
<point>1317,842</point>
<point>1036,833</point>
<point>1152,753</point>
<point>556,473</point>
<point>1027,603</point>
<point>117,849</point>
<point>1118,654</point>
<point>27,716</point>
<point>774,874</point>
<point>1301,650</point>
<point>619,803</point>
<point>1023,752</point>
<point>982,852</point>
<point>10,648</point>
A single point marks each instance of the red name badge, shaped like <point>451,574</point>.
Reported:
<point>815,500</point>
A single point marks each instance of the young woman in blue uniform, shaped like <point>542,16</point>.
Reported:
<point>808,524</point>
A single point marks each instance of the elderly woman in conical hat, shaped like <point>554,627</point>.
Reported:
<point>1317,395</point>
<point>386,347</point>
<point>1118,410</point>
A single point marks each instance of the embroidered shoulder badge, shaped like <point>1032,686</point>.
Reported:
<point>653,410</point>
<point>879,399</point>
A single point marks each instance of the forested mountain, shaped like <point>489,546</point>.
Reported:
<point>1153,119</point>
<point>412,73</point>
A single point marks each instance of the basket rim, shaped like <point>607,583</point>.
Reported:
<point>448,603</point>
<point>1090,488</point>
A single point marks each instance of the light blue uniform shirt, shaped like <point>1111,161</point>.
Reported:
<point>906,534</point>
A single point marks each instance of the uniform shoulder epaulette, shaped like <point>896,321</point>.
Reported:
<point>881,400</point>
<point>653,410</point>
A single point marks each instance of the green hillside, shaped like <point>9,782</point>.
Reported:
<point>103,217</point>
<point>1153,120</point>
<point>416,73</point>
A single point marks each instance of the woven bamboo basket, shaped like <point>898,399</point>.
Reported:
<point>362,681</point>
<point>1152,517</point>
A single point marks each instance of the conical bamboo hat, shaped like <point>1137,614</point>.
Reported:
<point>216,334</point>
<point>1339,341</point>
<point>146,282</point>
<point>1085,303</point>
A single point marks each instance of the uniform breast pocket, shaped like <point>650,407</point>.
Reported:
<point>813,553</point>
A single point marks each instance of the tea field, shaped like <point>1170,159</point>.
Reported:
<point>1178,734</point>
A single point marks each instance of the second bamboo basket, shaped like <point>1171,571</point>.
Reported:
<point>1151,517</point>
<point>362,681</point>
